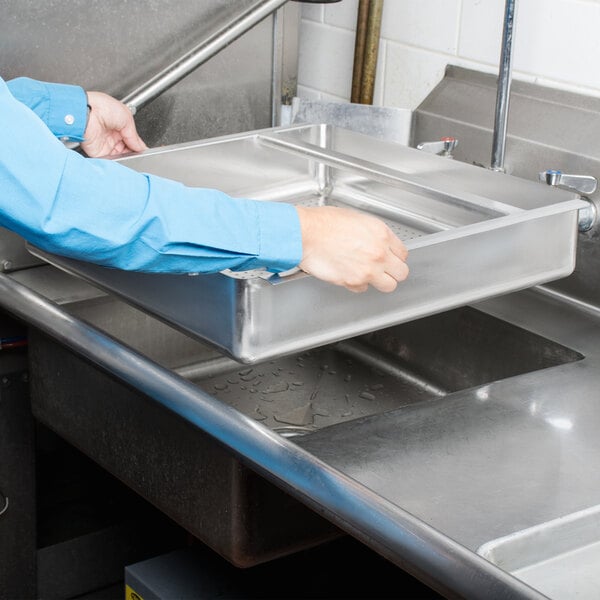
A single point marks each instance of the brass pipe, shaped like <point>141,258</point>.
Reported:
<point>371,51</point>
<point>359,49</point>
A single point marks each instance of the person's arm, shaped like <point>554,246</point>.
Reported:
<point>101,211</point>
<point>63,108</point>
<point>103,125</point>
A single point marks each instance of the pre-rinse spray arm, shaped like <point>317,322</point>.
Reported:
<point>503,94</point>
<point>206,49</point>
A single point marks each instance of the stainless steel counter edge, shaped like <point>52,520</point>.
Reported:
<point>410,543</point>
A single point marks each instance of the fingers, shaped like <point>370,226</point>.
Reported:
<point>118,148</point>
<point>131,138</point>
<point>387,278</point>
<point>398,248</point>
<point>111,128</point>
<point>397,269</point>
<point>351,249</point>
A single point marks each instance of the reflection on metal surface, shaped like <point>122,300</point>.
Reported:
<point>383,122</point>
<point>483,393</point>
<point>292,431</point>
<point>560,423</point>
<point>3,503</point>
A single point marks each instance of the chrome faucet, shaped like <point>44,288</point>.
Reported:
<point>443,147</point>
<point>582,184</point>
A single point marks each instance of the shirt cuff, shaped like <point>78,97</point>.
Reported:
<point>280,236</point>
<point>67,111</point>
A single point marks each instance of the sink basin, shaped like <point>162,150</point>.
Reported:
<point>560,558</point>
<point>382,371</point>
<point>198,482</point>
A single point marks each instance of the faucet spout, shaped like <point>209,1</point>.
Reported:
<point>503,94</point>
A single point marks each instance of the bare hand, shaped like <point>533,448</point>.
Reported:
<point>348,248</point>
<point>111,129</point>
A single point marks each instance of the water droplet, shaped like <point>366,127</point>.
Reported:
<point>333,372</point>
<point>280,386</point>
<point>366,396</point>
<point>297,383</point>
<point>321,412</point>
<point>249,377</point>
<point>324,367</point>
<point>258,415</point>
<point>220,386</point>
<point>233,380</point>
<point>253,390</point>
<point>302,415</point>
<point>348,378</point>
<point>243,387</point>
<point>377,386</point>
<point>348,413</point>
<point>245,372</point>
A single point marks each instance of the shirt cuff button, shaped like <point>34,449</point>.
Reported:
<point>69,119</point>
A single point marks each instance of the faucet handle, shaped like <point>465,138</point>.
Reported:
<point>443,147</point>
<point>584,184</point>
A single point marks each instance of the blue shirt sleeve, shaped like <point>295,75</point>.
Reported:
<point>103,212</point>
<point>63,108</point>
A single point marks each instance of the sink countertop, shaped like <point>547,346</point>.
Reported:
<point>484,462</point>
<point>474,465</point>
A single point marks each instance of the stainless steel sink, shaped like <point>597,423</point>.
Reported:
<point>196,480</point>
<point>560,558</point>
<point>381,371</point>
<point>467,230</point>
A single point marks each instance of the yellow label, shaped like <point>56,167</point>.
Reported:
<point>131,595</point>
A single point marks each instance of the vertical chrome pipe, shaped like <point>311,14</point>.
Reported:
<point>503,94</point>
<point>177,70</point>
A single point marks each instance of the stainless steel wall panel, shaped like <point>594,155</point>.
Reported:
<point>114,47</point>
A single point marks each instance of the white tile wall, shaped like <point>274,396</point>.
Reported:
<point>326,56</point>
<point>410,75</point>
<point>429,24</point>
<point>342,14</point>
<point>557,43</point>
